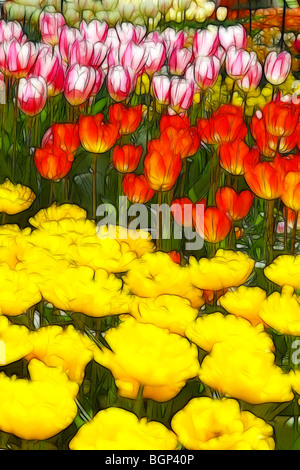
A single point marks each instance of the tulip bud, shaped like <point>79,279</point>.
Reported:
<point>221,13</point>
<point>277,67</point>
<point>32,95</point>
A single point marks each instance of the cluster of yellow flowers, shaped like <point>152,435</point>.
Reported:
<point>112,11</point>
<point>65,260</point>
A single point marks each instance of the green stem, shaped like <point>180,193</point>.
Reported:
<point>94,185</point>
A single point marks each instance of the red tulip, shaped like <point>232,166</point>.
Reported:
<point>235,205</point>
<point>126,118</point>
<point>225,125</point>
<point>95,135</point>
<point>137,189</point>
<point>232,156</point>
<point>127,157</point>
<point>216,225</point>
<point>65,136</point>
<point>53,163</point>
<point>161,166</point>
<point>281,118</point>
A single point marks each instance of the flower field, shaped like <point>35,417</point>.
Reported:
<point>149,226</point>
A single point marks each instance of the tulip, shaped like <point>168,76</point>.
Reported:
<point>79,82</point>
<point>32,95</point>
<point>16,60</point>
<point>95,135</point>
<point>232,155</point>
<point>281,119</point>
<point>181,94</point>
<point>172,40</point>
<point>235,205</point>
<point>99,55</point>
<point>233,36</point>
<point>221,13</point>
<point>251,79</point>
<point>238,62</point>
<point>225,125</point>
<point>57,85</point>
<point>53,163</point>
<point>46,64</point>
<point>182,210</point>
<point>139,33</point>
<point>64,136</point>
<point>137,189</point>
<point>99,80</point>
<point>184,142</point>
<point>50,27</point>
<point>10,30</point>
<point>80,52</point>
<point>161,85</point>
<point>66,39</point>
<point>120,82</point>
<point>162,168</point>
<point>263,178</point>
<point>125,119</point>
<point>133,56</point>
<point>112,40</point>
<point>179,60</point>
<point>175,256</point>
<point>126,158</point>
<point>291,190</point>
<point>156,56</point>
<point>277,67</point>
<point>95,31</point>
<point>216,225</point>
<point>206,71</point>
<point>125,32</point>
<point>205,42</point>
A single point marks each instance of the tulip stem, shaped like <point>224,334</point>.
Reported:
<point>270,228</point>
<point>51,192</point>
<point>15,129</point>
<point>184,168</point>
<point>283,25</point>
<point>138,407</point>
<point>94,185</point>
<point>293,247</point>
<point>159,220</point>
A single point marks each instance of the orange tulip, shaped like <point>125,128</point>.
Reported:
<point>175,256</point>
<point>216,225</point>
<point>281,118</point>
<point>235,205</point>
<point>64,136</point>
<point>263,178</point>
<point>53,163</point>
<point>185,142</point>
<point>126,158</point>
<point>161,166</point>
<point>95,135</point>
<point>137,189</point>
<point>232,155</point>
<point>225,125</point>
<point>291,190</point>
<point>127,119</point>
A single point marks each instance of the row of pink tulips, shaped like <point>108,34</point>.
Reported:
<point>76,62</point>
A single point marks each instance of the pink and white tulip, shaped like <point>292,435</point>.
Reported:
<point>81,52</point>
<point>16,60</point>
<point>238,62</point>
<point>120,82</point>
<point>161,85</point>
<point>277,67</point>
<point>251,79</point>
<point>10,30</point>
<point>133,56</point>
<point>156,56</point>
<point>173,40</point>
<point>50,27</point>
<point>179,60</point>
<point>95,31</point>
<point>32,95</point>
<point>79,83</point>
<point>67,38</point>
<point>206,71</point>
<point>181,94</point>
<point>233,36</point>
<point>205,42</point>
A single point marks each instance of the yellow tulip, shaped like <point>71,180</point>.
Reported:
<point>207,424</point>
<point>15,341</point>
<point>55,212</point>
<point>15,198</point>
<point>118,429</point>
<point>244,302</point>
<point>145,355</point>
<point>284,270</point>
